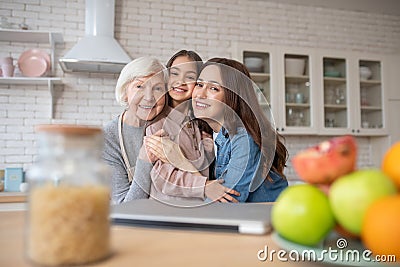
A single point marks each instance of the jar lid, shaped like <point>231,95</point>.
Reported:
<point>68,129</point>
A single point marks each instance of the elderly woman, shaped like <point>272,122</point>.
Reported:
<point>141,88</point>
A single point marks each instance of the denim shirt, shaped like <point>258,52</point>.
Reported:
<point>238,162</point>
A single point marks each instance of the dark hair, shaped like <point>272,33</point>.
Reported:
<point>238,97</point>
<point>186,53</point>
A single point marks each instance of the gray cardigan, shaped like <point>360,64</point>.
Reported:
<point>122,190</point>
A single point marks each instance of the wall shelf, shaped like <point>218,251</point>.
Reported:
<point>28,80</point>
<point>259,77</point>
<point>32,36</point>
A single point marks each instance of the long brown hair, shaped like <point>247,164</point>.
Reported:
<point>238,97</point>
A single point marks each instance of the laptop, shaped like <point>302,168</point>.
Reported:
<point>244,218</point>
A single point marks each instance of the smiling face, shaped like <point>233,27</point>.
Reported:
<point>182,79</point>
<point>209,96</point>
<point>146,96</point>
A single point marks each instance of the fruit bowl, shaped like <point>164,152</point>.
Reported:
<point>345,255</point>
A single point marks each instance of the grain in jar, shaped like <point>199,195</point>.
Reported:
<point>68,221</point>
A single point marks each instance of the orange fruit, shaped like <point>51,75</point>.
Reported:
<point>391,163</point>
<point>380,229</point>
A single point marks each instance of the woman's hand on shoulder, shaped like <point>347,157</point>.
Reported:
<point>215,191</point>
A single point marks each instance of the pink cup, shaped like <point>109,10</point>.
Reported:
<point>7,70</point>
<point>6,61</point>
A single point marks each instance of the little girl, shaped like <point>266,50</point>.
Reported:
<point>170,180</point>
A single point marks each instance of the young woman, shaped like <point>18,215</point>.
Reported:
<point>250,157</point>
<point>141,89</point>
<point>171,180</point>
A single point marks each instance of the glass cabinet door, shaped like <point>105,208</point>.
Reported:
<point>370,95</point>
<point>258,64</point>
<point>319,92</point>
<point>335,93</point>
<point>297,90</point>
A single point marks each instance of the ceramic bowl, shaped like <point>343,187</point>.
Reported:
<point>365,73</point>
<point>295,66</point>
<point>254,64</point>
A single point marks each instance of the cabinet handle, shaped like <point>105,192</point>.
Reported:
<point>358,130</point>
<point>282,129</point>
<point>277,129</point>
<point>352,130</point>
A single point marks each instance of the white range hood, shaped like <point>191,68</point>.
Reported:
<point>97,51</point>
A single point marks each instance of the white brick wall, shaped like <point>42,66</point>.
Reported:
<point>159,28</point>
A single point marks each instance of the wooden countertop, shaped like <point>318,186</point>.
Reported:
<point>12,197</point>
<point>135,246</point>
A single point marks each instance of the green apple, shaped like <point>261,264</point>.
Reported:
<point>302,214</point>
<point>351,195</point>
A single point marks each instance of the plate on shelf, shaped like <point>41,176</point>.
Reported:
<point>34,63</point>
<point>332,74</point>
<point>335,250</point>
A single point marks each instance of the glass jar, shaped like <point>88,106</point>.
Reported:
<point>69,197</point>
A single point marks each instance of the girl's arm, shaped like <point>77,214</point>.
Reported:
<point>174,182</point>
<point>169,179</point>
<point>179,176</point>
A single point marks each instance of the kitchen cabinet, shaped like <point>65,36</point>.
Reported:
<point>334,94</point>
<point>30,36</point>
<point>352,96</point>
<point>296,97</point>
<point>319,92</point>
<point>393,76</point>
<point>261,73</point>
<point>394,127</point>
<point>285,82</point>
<point>370,117</point>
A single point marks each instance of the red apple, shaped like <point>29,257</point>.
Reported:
<point>327,161</point>
<point>343,232</point>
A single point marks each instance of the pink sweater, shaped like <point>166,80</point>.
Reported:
<point>168,182</point>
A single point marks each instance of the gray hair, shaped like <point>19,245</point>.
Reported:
<point>140,67</point>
